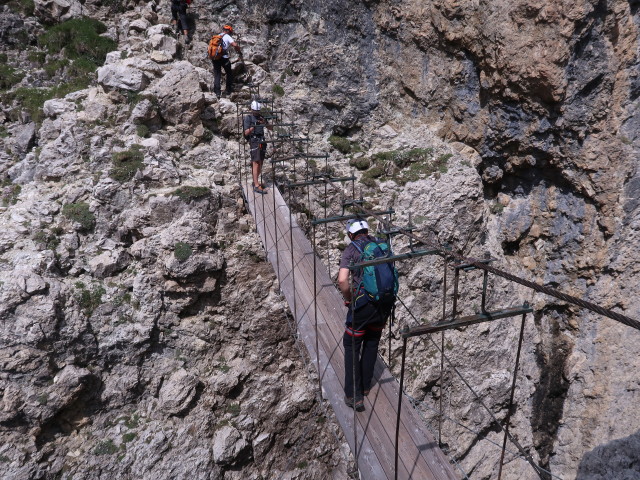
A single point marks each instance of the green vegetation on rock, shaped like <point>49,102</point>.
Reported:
<point>9,193</point>
<point>278,90</point>
<point>106,447</point>
<point>82,50</point>
<point>9,77</point>
<point>361,163</point>
<point>79,212</point>
<point>188,193</point>
<point>37,57</point>
<point>142,131</point>
<point>342,144</point>
<point>403,165</point>
<point>126,164</point>
<point>25,7</point>
<point>88,299</point>
<point>182,251</point>
<point>78,38</point>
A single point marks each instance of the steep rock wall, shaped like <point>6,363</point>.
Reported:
<point>546,96</point>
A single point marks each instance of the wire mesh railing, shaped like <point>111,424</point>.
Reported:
<point>323,199</point>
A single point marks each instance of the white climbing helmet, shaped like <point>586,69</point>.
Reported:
<point>356,225</point>
<point>256,106</point>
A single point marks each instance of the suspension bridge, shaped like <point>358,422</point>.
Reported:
<point>389,440</point>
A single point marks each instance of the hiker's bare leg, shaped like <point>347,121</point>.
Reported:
<point>255,169</point>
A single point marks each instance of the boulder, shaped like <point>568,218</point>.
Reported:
<point>178,392</point>
<point>123,77</point>
<point>179,95</point>
<point>164,44</point>
<point>205,263</point>
<point>139,25</point>
<point>145,113</point>
<point>160,29</point>
<point>228,444</point>
<point>54,11</point>
<point>108,263</point>
<point>56,106</point>
<point>24,137</point>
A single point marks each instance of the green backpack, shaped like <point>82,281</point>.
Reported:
<point>379,283</point>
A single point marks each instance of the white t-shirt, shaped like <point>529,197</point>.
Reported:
<point>227,40</point>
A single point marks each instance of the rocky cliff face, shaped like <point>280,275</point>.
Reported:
<point>142,333</point>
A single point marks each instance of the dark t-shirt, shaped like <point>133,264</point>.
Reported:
<point>252,121</point>
<point>352,255</point>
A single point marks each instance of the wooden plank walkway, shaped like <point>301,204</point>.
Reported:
<point>419,455</point>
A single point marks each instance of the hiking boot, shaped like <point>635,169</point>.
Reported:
<point>260,189</point>
<point>358,405</point>
<point>187,40</point>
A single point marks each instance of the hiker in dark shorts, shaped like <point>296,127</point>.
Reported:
<point>253,126</point>
<point>179,15</point>
<point>363,331</point>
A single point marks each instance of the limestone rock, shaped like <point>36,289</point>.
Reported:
<point>195,265</point>
<point>110,262</point>
<point>140,25</point>
<point>228,444</point>
<point>618,459</point>
<point>122,76</point>
<point>180,97</point>
<point>54,107</point>
<point>177,394</point>
<point>24,138</point>
<point>51,11</point>
<point>163,44</point>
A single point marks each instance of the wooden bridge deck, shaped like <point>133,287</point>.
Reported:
<point>419,455</point>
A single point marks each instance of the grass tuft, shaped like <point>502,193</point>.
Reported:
<point>78,38</point>
<point>79,212</point>
<point>126,164</point>
<point>88,300</point>
<point>188,193</point>
<point>9,77</point>
<point>342,144</point>
<point>182,251</point>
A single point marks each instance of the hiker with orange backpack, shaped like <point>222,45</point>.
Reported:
<point>219,54</point>
<point>179,15</point>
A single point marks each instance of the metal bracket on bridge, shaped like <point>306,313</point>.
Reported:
<point>394,258</point>
<point>339,218</point>
<point>465,321</point>
<point>319,182</point>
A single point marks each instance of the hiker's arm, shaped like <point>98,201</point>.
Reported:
<point>343,284</point>
<point>237,48</point>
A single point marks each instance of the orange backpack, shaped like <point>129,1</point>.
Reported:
<point>215,49</point>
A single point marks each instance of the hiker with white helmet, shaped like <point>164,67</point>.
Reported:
<point>369,296</point>
<point>253,126</point>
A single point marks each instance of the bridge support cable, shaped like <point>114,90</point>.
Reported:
<point>552,292</point>
<point>513,389</point>
<point>541,472</point>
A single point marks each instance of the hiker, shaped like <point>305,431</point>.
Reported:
<point>253,126</point>
<point>224,61</point>
<point>179,15</point>
<point>367,315</point>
